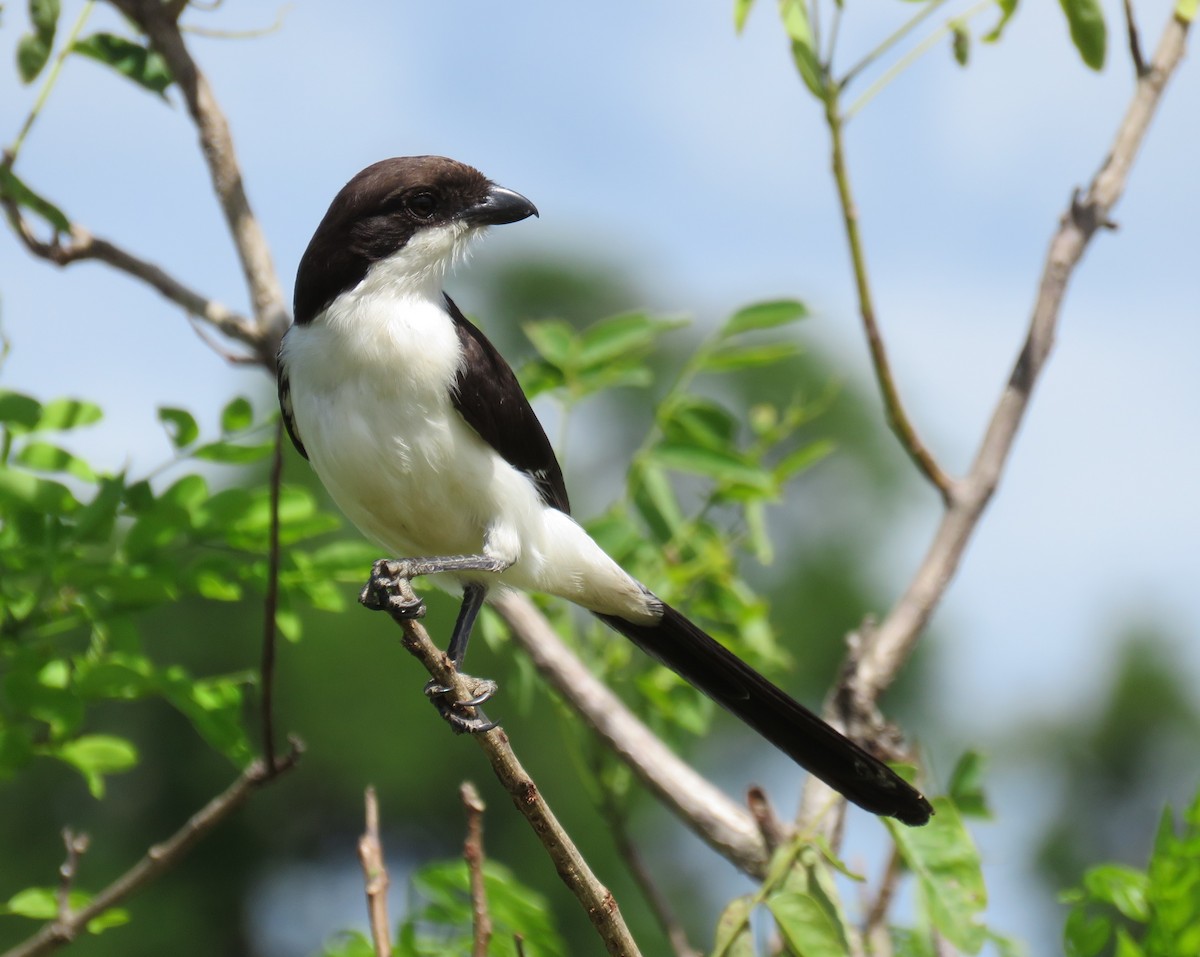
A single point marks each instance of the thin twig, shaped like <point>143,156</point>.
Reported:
<point>76,845</point>
<point>270,632</point>
<point>896,416</point>
<point>157,859</point>
<point>573,869</point>
<point>618,827</point>
<point>890,41</point>
<point>481,919</point>
<point>1135,43</point>
<point>375,877</point>
<point>887,646</point>
<point>876,929</point>
<point>712,815</point>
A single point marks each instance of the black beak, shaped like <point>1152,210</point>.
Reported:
<point>500,206</point>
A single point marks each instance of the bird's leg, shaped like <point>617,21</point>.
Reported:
<point>390,589</point>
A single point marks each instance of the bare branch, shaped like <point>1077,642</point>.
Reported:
<point>159,22</point>
<point>887,646</point>
<point>375,877</point>
<point>76,845</point>
<point>157,859</point>
<point>573,869</point>
<point>473,854</point>
<point>617,820</point>
<point>81,245</point>
<point>714,817</point>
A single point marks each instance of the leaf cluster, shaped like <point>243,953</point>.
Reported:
<point>1155,912</point>
<point>439,920</point>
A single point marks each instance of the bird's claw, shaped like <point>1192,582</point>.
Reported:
<point>456,712</point>
<point>390,589</point>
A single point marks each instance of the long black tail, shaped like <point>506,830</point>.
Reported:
<point>787,724</point>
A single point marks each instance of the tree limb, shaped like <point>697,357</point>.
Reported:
<point>573,869</point>
<point>473,854</point>
<point>886,647</point>
<point>159,22</point>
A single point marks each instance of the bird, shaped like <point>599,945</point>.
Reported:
<point>422,436</point>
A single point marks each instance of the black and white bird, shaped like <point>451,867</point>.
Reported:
<point>420,432</point>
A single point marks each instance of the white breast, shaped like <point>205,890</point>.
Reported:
<point>371,381</point>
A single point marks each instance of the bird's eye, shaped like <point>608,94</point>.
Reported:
<point>422,205</point>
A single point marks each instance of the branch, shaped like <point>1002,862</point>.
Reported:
<point>82,245</point>
<point>574,871</point>
<point>885,648</point>
<point>714,817</point>
<point>473,855</point>
<point>159,22</point>
<point>375,877</point>
<point>157,859</point>
<point>896,416</point>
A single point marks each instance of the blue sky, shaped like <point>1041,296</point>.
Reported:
<point>652,136</point>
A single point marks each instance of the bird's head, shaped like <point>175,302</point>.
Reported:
<point>410,215</point>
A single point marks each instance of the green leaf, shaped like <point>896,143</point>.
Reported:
<point>1088,32</point>
<point>59,415</point>
<point>808,927</point>
<point>655,500</point>
<point>946,864</point>
<point>180,425</point>
<point>764,315</point>
<point>33,49</point>
<point>12,187</point>
<point>44,14</point>
<point>735,359</point>
<point>33,53</point>
<point>802,458</point>
<point>232,453</point>
<point>22,490</point>
<point>114,917</point>
<point>552,338</point>
<point>43,457</point>
<point>144,66</point>
<point>718,464</point>
<point>19,411</point>
<point>1122,887</point>
<point>794,14</point>
<point>615,337</point>
<point>38,903</point>
<point>237,415</point>
<point>1084,934</point>
<point>213,706</point>
<point>966,785</point>
<point>733,937</point>
<point>95,755</point>
<point>960,40</point>
<point>741,10</point>
<point>1007,9</point>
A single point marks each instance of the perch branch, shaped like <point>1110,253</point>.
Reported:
<point>574,871</point>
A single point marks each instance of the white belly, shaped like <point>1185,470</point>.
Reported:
<point>370,398</point>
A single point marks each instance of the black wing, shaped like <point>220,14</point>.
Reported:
<point>489,398</point>
<point>285,406</point>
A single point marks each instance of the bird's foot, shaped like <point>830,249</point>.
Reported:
<point>390,589</point>
<point>463,716</point>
